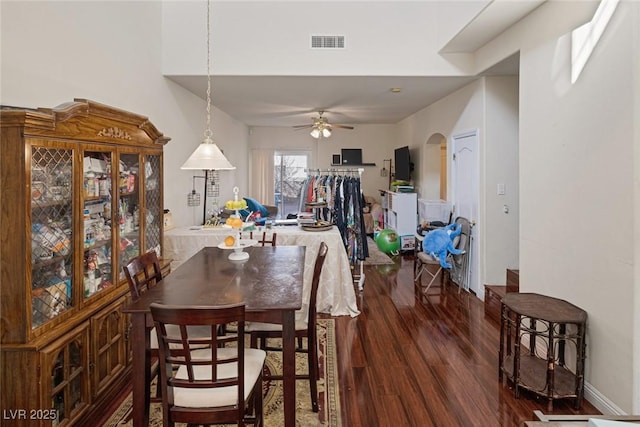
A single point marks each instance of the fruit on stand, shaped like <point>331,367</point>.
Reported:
<point>234,222</point>
<point>235,204</point>
<point>229,240</point>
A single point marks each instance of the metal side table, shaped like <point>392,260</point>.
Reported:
<point>537,333</point>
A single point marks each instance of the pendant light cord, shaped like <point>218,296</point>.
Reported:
<point>207,133</point>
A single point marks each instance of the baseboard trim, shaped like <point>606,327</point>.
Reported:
<point>591,394</point>
<point>600,401</point>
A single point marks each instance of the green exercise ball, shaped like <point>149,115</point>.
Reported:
<point>387,241</point>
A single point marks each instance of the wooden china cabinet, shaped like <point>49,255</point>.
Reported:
<point>80,195</point>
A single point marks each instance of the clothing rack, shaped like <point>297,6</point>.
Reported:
<point>335,171</point>
<point>349,172</point>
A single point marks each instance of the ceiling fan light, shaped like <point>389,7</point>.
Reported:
<point>315,132</point>
<point>326,132</point>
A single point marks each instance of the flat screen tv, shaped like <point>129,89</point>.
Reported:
<point>351,156</point>
<point>403,166</point>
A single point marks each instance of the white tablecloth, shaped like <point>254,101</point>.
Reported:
<point>336,294</point>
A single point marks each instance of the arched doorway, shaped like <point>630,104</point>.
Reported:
<point>434,161</point>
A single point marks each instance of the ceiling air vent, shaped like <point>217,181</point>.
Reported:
<point>327,42</point>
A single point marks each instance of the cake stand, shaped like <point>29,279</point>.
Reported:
<point>238,253</point>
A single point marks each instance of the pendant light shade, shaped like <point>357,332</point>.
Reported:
<point>207,157</point>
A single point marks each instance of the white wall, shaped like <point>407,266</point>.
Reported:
<point>576,181</point>
<point>501,166</point>
<point>273,38</point>
<point>491,106</point>
<point>635,88</point>
<point>429,167</point>
<point>110,52</point>
<point>576,158</point>
<point>461,111</point>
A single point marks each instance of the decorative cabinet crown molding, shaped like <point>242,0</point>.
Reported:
<point>114,132</point>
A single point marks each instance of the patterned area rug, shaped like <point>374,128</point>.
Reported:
<point>376,256</point>
<point>329,396</point>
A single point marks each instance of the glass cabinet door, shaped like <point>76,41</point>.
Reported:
<point>128,210</point>
<point>153,203</point>
<point>97,221</point>
<point>67,365</point>
<point>51,233</point>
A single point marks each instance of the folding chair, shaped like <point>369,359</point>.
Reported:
<point>460,263</point>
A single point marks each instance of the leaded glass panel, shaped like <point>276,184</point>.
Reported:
<point>51,233</point>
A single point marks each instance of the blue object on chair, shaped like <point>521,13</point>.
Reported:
<point>254,206</point>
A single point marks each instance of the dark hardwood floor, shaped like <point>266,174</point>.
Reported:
<point>411,360</point>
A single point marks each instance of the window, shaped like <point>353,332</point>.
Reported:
<point>289,176</point>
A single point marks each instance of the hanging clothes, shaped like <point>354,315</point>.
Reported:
<point>342,192</point>
<point>355,236</point>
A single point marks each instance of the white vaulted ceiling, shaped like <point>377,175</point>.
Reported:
<point>288,94</point>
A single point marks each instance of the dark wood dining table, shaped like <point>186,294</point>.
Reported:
<point>270,283</point>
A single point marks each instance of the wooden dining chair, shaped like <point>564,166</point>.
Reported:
<point>304,329</point>
<point>142,273</point>
<point>218,384</point>
<point>264,239</point>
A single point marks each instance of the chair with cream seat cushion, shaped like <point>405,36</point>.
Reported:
<point>217,384</point>
<point>142,273</point>
<point>305,328</point>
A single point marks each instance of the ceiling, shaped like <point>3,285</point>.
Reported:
<point>295,100</point>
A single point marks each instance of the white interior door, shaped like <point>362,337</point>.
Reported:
<point>466,177</point>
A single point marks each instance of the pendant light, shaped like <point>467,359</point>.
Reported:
<point>208,156</point>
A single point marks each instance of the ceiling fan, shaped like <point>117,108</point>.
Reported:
<point>321,126</point>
